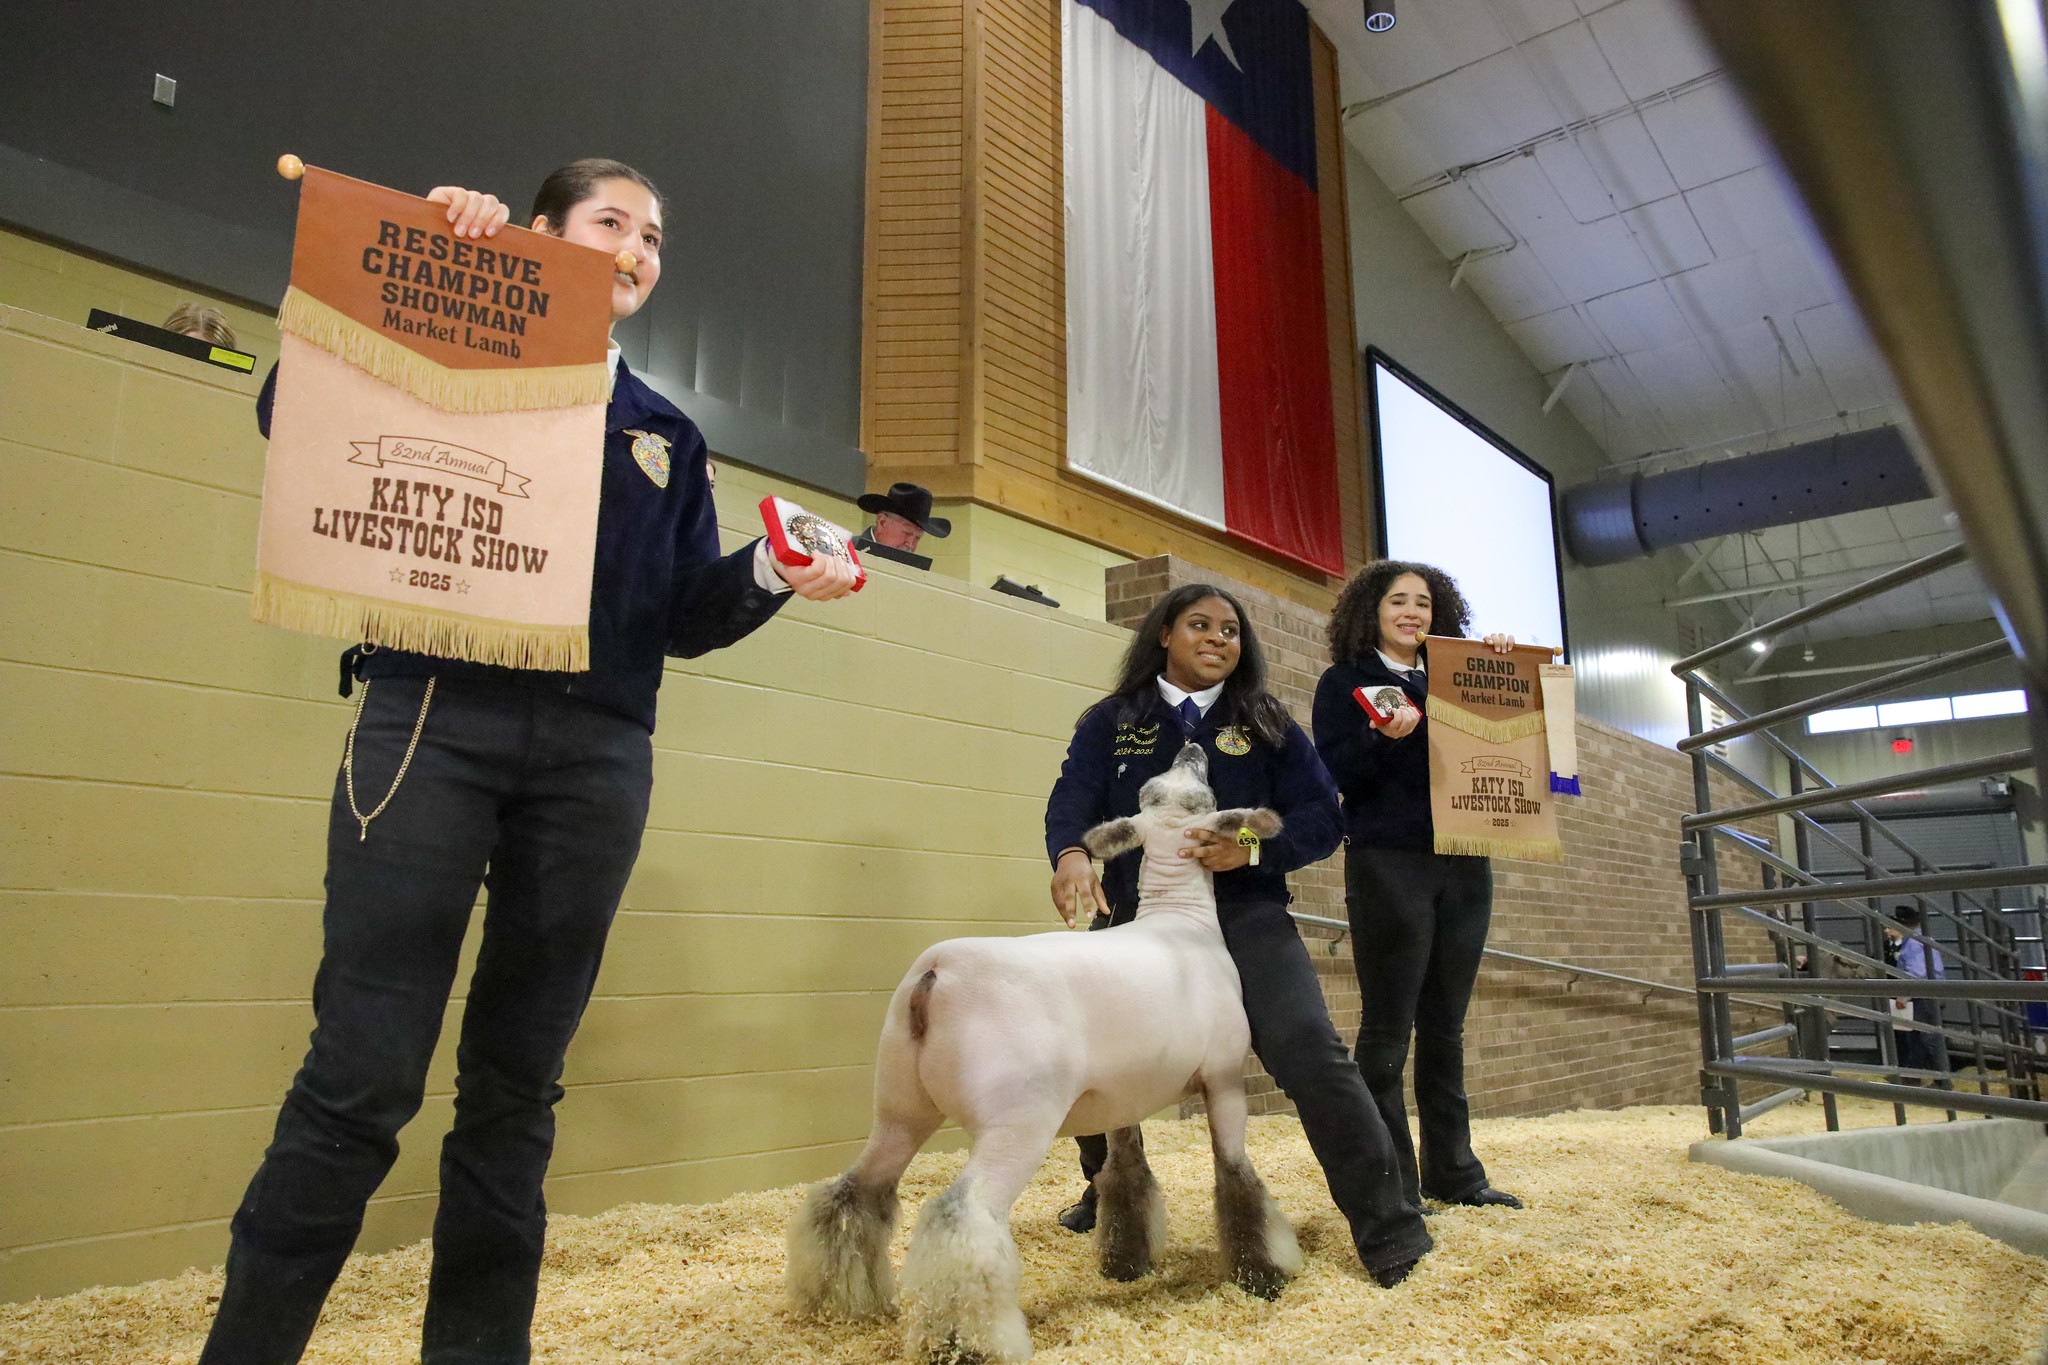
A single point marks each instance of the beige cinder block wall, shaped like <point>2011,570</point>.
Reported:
<point>1536,1041</point>
<point>853,783</point>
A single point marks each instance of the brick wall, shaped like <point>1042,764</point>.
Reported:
<point>1536,1040</point>
<point>167,776</point>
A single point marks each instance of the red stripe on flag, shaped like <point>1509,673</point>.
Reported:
<point>1272,354</point>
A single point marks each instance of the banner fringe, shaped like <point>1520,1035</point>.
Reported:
<point>494,390</point>
<point>1479,727</point>
<point>1480,846</point>
<point>422,630</point>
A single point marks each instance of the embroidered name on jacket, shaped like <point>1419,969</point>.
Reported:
<point>1132,740</point>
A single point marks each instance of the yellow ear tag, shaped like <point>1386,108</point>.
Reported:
<point>1247,839</point>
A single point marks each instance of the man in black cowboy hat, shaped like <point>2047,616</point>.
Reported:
<point>903,516</point>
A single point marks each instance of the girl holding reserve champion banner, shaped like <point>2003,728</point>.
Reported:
<point>533,784</point>
<point>1194,671</point>
<point>1418,917</point>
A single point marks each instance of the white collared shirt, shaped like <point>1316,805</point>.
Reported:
<point>1203,699</point>
<point>1399,669</point>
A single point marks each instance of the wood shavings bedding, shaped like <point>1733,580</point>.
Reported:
<point>1627,1253</point>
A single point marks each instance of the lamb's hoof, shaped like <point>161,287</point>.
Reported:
<point>1126,1270</point>
<point>1262,1281</point>
<point>1386,1277</point>
<point>951,1352</point>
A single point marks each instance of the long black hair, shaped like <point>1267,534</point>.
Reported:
<point>1245,700</point>
<point>567,186</point>
<point>1355,622</point>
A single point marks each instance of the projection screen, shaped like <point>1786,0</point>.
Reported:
<point>1454,494</point>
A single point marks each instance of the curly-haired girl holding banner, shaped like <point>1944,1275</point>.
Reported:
<point>1418,917</point>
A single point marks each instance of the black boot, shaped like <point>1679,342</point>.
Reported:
<point>1080,1215</point>
<point>1389,1276</point>
<point>1486,1196</point>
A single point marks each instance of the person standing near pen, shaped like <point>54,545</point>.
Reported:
<point>1418,917</point>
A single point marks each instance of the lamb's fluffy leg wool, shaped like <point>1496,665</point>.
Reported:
<point>839,1239</point>
<point>1260,1253</point>
<point>1130,1221</point>
<point>961,1277</point>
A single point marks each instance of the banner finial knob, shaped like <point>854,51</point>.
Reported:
<point>290,167</point>
<point>626,262</point>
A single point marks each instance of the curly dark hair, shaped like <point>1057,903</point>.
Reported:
<point>1245,700</point>
<point>1355,622</point>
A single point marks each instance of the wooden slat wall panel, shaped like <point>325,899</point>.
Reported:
<point>1347,390</point>
<point>911,286</point>
<point>972,401</point>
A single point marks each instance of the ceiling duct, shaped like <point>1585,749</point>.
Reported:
<point>1627,516</point>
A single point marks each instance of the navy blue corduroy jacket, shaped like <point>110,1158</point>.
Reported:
<point>1108,761</point>
<point>659,585</point>
<point>1385,782</point>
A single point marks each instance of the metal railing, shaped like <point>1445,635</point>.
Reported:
<point>1815,977</point>
<point>1576,970</point>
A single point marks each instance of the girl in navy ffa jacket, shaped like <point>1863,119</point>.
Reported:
<point>532,784</point>
<point>1194,671</point>
<point>1418,917</point>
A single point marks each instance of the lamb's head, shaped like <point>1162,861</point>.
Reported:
<point>1181,793</point>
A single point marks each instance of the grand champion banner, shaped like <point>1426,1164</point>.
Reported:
<point>433,474</point>
<point>1489,753</point>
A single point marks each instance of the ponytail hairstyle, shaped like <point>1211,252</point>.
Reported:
<point>1355,623</point>
<point>570,185</point>
<point>1245,700</point>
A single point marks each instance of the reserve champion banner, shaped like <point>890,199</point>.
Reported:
<point>1489,753</point>
<point>434,466</point>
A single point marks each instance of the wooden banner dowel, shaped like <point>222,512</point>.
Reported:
<point>290,167</point>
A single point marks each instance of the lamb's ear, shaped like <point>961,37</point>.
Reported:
<point>1260,821</point>
<point>1112,837</point>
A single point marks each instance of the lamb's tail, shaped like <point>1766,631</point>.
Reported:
<point>920,1005</point>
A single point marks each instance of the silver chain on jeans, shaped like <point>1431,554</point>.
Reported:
<point>348,758</point>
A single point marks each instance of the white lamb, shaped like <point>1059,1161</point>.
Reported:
<point>1022,1040</point>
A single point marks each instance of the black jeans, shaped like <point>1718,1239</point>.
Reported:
<point>541,798</point>
<point>1418,926</point>
<point>1301,1050</point>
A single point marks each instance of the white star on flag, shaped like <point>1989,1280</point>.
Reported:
<point>1206,19</point>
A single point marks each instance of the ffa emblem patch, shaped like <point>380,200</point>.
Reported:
<point>650,452</point>
<point>1234,740</point>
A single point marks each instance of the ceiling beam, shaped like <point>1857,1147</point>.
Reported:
<point>1564,380</point>
<point>1783,585</point>
<point>1875,666</point>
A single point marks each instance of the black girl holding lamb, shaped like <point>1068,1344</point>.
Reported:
<point>1194,672</point>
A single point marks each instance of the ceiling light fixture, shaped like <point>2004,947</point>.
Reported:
<point>1379,15</point>
<point>1760,646</point>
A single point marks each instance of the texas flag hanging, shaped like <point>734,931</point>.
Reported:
<point>1198,370</point>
